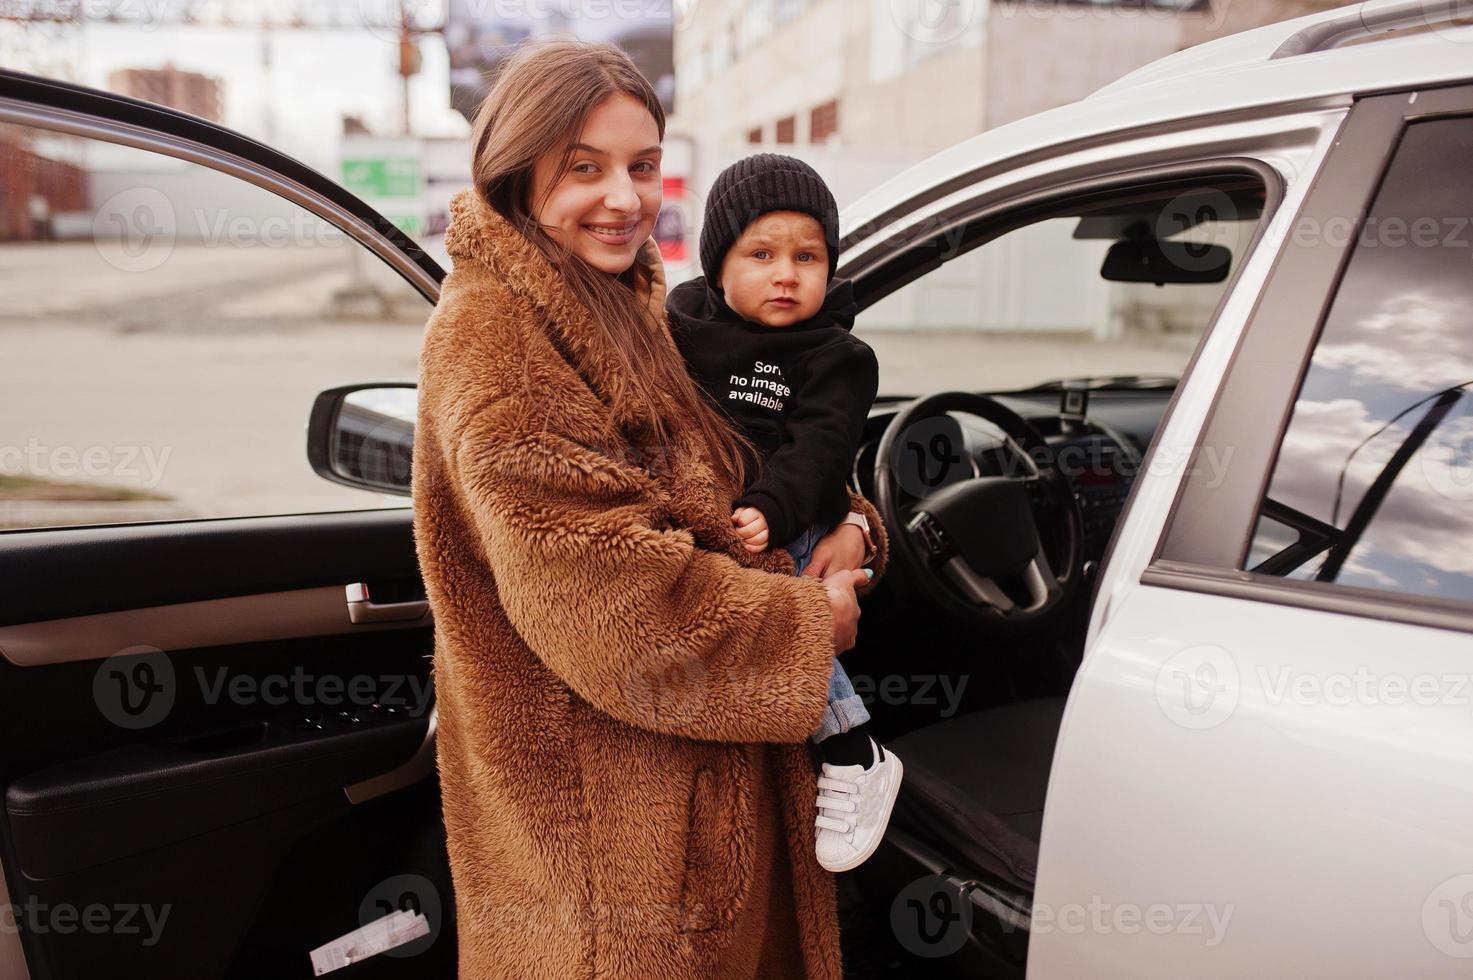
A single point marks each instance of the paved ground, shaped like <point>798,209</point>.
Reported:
<point>193,380</point>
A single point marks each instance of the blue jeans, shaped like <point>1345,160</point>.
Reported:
<point>845,708</point>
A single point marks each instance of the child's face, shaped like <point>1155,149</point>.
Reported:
<point>777,272</point>
<point>604,207</point>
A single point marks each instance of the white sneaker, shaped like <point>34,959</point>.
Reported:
<point>854,809</point>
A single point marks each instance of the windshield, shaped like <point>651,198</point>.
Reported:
<point>1034,305</point>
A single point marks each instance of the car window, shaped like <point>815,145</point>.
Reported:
<point>1373,483</point>
<point>166,328</point>
<point>1040,303</point>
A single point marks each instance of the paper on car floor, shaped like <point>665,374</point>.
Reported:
<point>377,936</point>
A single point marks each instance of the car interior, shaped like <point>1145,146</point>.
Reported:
<point>1000,509</point>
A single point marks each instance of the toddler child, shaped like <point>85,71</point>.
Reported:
<point>766,333</point>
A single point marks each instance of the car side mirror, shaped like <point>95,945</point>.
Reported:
<point>1152,260</point>
<point>362,435</point>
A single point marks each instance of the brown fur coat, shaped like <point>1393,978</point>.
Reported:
<point>608,658</point>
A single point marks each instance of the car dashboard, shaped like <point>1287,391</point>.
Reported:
<point>1100,471</point>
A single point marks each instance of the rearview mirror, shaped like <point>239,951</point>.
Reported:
<point>1152,260</point>
<point>362,435</point>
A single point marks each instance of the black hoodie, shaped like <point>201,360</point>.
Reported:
<point>801,393</point>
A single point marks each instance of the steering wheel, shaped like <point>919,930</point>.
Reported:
<point>964,542</point>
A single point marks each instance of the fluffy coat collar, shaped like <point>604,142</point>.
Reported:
<point>479,234</point>
<point>509,272</point>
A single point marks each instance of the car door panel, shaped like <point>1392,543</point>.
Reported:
<point>1242,816</point>
<point>84,812</point>
<point>290,567</point>
<point>240,767</point>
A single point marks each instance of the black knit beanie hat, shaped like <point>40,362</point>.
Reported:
<point>757,185</point>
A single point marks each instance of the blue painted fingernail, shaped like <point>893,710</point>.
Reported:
<point>869,573</point>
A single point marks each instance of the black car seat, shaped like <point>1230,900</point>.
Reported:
<point>974,787</point>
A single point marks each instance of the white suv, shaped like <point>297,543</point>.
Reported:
<point>1264,762</point>
<point>1174,641</point>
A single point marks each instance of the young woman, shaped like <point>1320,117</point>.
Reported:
<point>624,690</point>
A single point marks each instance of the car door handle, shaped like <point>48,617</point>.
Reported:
<point>362,609</point>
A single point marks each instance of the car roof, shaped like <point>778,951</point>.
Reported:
<point>1302,62</point>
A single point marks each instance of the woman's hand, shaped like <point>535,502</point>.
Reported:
<point>845,605</point>
<point>839,550</point>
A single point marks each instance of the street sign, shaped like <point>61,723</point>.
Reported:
<point>382,177</point>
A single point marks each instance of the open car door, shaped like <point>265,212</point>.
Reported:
<point>217,685</point>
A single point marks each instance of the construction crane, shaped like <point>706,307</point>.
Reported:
<point>398,21</point>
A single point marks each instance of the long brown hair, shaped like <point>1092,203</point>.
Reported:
<point>541,99</point>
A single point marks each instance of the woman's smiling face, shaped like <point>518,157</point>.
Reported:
<point>604,207</point>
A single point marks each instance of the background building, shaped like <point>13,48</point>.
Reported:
<point>35,184</point>
<point>910,76</point>
<point>187,91</point>
<point>864,88</point>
